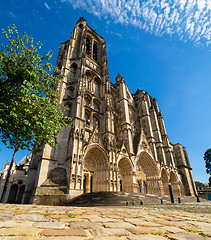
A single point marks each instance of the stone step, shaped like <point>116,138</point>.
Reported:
<point>122,199</point>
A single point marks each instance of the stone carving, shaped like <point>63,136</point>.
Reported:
<point>58,176</point>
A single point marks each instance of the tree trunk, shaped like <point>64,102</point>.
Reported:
<point>8,176</point>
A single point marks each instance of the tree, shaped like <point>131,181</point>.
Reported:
<point>30,112</point>
<point>207,159</point>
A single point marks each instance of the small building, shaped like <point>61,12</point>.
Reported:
<point>203,191</point>
<point>17,181</point>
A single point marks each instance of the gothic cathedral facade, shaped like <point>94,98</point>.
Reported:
<point>116,141</point>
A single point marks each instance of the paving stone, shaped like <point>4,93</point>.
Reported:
<point>146,237</point>
<point>57,216</point>
<point>6,216</point>
<point>109,232</point>
<point>110,238</point>
<point>7,224</point>
<point>117,225</point>
<point>63,238</point>
<point>200,224</point>
<point>187,236</point>
<point>167,223</point>
<point>175,219</point>
<point>32,218</point>
<point>207,234</point>
<point>84,225</point>
<point>19,231</point>
<point>102,220</point>
<point>199,228</point>
<point>149,218</point>
<point>140,222</point>
<point>50,225</point>
<point>154,214</point>
<point>173,229</point>
<point>73,219</point>
<point>191,228</point>
<point>146,230</point>
<point>87,216</point>
<point>113,216</point>
<point>205,219</point>
<point>64,232</point>
<point>19,238</point>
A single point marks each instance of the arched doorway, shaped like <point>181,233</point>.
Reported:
<point>84,183</point>
<point>141,178</point>
<point>95,170</point>
<point>139,186</point>
<point>13,193</point>
<point>91,183</point>
<point>165,182</point>
<point>16,193</point>
<point>147,174</point>
<point>125,175</point>
<point>20,193</point>
<point>144,187</point>
<point>174,184</point>
<point>120,185</point>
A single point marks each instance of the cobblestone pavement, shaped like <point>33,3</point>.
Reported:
<point>148,222</point>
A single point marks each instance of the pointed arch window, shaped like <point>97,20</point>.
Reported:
<point>87,118</point>
<point>73,71</point>
<point>88,80</point>
<point>96,106</point>
<point>95,121</point>
<point>88,100</point>
<point>97,86</point>
<point>95,51</point>
<point>68,110</point>
<point>70,91</point>
<point>88,46</point>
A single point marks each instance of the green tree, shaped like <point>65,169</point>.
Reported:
<point>207,159</point>
<point>30,112</point>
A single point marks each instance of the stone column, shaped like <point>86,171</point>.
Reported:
<point>157,134</point>
<point>88,182</point>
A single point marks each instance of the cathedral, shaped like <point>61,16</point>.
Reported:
<point>116,140</point>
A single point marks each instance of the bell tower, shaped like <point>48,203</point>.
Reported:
<point>85,92</point>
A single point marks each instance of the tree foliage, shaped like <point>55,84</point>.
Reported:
<point>30,112</point>
<point>207,159</point>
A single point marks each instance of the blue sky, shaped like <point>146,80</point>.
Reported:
<point>161,46</point>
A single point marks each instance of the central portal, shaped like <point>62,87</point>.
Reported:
<point>88,183</point>
<point>125,175</point>
<point>96,170</point>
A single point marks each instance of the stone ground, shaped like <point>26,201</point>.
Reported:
<point>147,222</point>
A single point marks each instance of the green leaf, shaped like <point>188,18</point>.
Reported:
<point>30,112</point>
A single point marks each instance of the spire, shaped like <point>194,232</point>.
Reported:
<point>81,19</point>
<point>119,78</point>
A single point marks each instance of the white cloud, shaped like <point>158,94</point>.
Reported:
<point>47,6</point>
<point>187,19</point>
<point>182,4</point>
<point>201,4</point>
